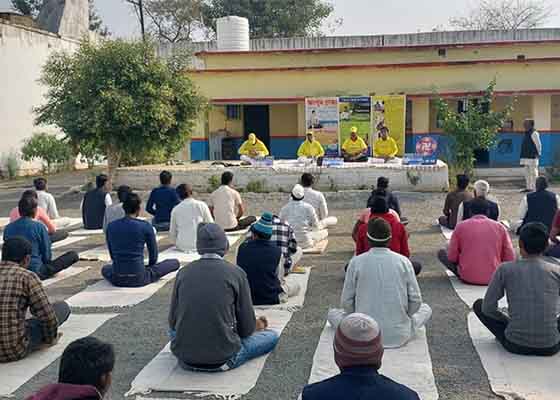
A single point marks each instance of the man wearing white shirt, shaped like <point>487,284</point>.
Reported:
<point>317,200</point>
<point>539,206</point>
<point>531,150</point>
<point>47,202</point>
<point>186,217</point>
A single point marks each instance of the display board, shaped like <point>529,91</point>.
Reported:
<point>355,111</point>
<point>390,111</point>
<point>321,117</point>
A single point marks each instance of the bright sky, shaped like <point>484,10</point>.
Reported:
<point>361,17</point>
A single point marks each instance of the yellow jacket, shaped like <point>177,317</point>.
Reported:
<point>385,148</point>
<point>354,147</point>
<point>250,148</point>
<point>313,149</point>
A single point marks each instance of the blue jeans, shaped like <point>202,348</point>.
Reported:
<point>34,327</point>
<point>256,345</point>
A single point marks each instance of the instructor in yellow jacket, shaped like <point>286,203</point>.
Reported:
<point>252,148</point>
<point>354,148</point>
<point>311,148</point>
<point>385,147</point>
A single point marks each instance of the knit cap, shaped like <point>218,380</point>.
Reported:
<point>298,192</point>
<point>211,239</point>
<point>358,343</point>
<point>264,225</point>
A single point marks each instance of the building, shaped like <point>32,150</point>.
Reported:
<point>264,89</point>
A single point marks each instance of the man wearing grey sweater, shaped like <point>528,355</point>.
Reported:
<point>532,286</point>
<point>212,322</point>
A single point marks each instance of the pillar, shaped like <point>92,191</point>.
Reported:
<point>542,112</point>
<point>420,115</point>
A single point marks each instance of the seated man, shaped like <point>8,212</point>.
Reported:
<point>22,291</point>
<point>478,246</point>
<point>47,202</point>
<point>302,218</point>
<point>185,219</point>
<point>532,287</point>
<point>317,200</point>
<point>227,208</point>
<point>481,191</point>
<point>554,249</point>
<point>260,258</point>
<point>116,211</point>
<point>126,239</point>
<point>252,148</point>
<point>228,335</point>
<point>539,206</point>
<point>453,200</point>
<point>161,201</point>
<point>354,149</point>
<point>382,284</point>
<point>96,202</point>
<point>41,216</point>
<point>385,147</point>
<point>358,352</point>
<point>382,190</point>
<point>36,233</point>
<point>311,148</point>
<point>85,372</point>
<point>399,235</point>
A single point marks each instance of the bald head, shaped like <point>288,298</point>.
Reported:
<point>184,191</point>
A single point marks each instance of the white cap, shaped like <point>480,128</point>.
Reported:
<point>298,192</point>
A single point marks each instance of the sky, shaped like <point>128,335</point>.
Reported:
<point>360,17</point>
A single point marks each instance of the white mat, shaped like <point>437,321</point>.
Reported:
<point>513,376</point>
<point>296,302</point>
<point>446,232</point>
<point>410,365</point>
<point>68,223</point>
<point>68,241</point>
<point>4,221</point>
<point>163,373</point>
<point>86,232</point>
<point>17,373</point>
<point>470,293</point>
<point>67,273</point>
<point>319,248</point>
<point>174,253</point>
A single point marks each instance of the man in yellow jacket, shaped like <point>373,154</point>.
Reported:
<point>354,148</point>
<point>252,148</point>
<point>385,147</point>
<point>311,148</point>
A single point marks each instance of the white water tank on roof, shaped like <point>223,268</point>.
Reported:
<point>233,34</point>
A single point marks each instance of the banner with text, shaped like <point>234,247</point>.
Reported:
<point>390,111</point>
<point>355,111</point>
<point>321,117</point>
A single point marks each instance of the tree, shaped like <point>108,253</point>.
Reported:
<point>505,15</point>
<point>175,20</point>
<point>120,99</point>
<point>475,128</point>
<point>272,18</point>
<point>48,148</point>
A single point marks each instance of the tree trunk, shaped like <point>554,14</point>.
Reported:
<point>113,161</point>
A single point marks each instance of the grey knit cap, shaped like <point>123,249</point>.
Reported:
<point>211,239</point>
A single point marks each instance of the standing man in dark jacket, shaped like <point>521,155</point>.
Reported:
<point>531,150</point>
<point>95,202</point>
<point>212,323</point>
<point>162,201</point>
<point>539,206</point>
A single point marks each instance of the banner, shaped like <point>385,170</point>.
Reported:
<point>390,111</point>
<point>321,117</point>
<point>355,111</point>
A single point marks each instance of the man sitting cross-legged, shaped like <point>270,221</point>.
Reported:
<point>96,202</point>
<point>358,352</point>
<point>260,258</point>
<point>481,191</point>
<point>538,206</point>
<point>36,233</point>
<point>85,372</point>
<point>211,319</point>
<point>116,211</point>
<point>477,247</point>
<point>47,202</point>
<point>126,239</point>
<point>21,291</point>
<point>317,200</point>
<point>185,219</point>
<point>453,200</point>
<point>161,202</point>
<point>532,286</point>
<point>382,284</point>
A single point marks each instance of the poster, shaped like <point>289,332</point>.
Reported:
<point>390,111</point>
<point>321,117</point>
<point>355,111</point>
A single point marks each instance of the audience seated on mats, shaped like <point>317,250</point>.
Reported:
<point>116,211</point>
<point>302,218</point>
<point>126,239</point>
<point>227,207</point>
<point>47,202</point>
<point>161,202</point>
<point>317,200</point>
<point>260,258</point>
<point>85,372</point>
<point>41,216</point>
<point>186,217</point>
<point>212,322</point>
<point>21,291</point>
<point>36,233</point>
<point>532,286</point>
<point>96,202</point>
<point>382,284</point>
<point>538,206</point>
<point>481,191</point>
<point>358,352</point>
<point>453,200</point>
<point>478,246</point>
<point>399,235</point>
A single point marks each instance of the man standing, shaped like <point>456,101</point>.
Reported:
<point>311,148</point>
<point>354,148</point>
<point>227,207</point>
<point>162,200</point>
<point>531,150</point>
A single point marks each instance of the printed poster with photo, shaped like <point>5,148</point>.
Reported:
<point>390,111</point>
<point>321,117</point>
<point>355,111</point>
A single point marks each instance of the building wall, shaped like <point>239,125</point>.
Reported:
<point>285,134</point>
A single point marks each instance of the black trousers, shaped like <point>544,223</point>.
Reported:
<point>498,329</point>
<point>58,236</point>
<point>243,223</point>
<point>55,266</point>
<point>442,256</point>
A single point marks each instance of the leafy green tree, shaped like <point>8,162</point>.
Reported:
<point>475,128</point>
<point>119,100</point>
<point>48,148</point>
